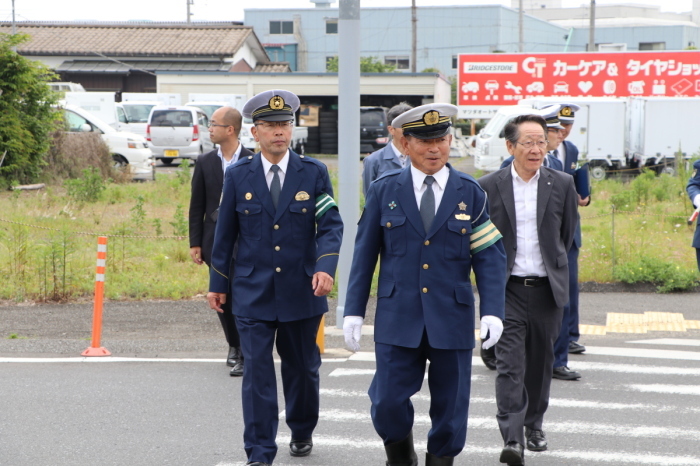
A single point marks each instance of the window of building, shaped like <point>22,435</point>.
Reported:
<point>652,46</point>
<point>454,62</point>
<point>281,27</point>
<point>331,26</point>
<point>400,62</point>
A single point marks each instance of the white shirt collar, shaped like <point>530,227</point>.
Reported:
<point>397,152</point>
<point>440,177</point>
<point>282,164</point>
<point>517,177</point>
<point>236,155</point>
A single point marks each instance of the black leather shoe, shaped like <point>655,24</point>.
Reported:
<point>564,373</point>
<point>401,453</point>
<point>489,357</point>
<point>257,463</point>
<point>301,447</point>
<point>432,460</point>
<point>536,440</point>
<point>576,347</point>
<point>513,454</point>
<point>237,370</point>
<point>234,356</point>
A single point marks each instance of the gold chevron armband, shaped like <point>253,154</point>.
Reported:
<point>323,203</point>
<point>484,236</point>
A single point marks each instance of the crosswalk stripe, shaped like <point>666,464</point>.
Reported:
<point>668,341</point>
<point>632,368</point>
<point>660,388</point>
<point>644,353</point>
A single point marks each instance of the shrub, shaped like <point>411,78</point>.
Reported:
<point>89,188</point>
<point>666,275</point>
<point>71,153</point>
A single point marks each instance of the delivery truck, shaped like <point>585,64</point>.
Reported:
<point>660,128</point>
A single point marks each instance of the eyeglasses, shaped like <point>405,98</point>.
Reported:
<point>530,144</point>
<point>275,124</point>
<point>211,125</point>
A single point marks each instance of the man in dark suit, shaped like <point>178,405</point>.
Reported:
<point>278,208</point>
<point>389,157</point>
<point>430,226</point>
<point>550,115</point>
<point>535,210</point>
<point>207,184</point>
<point>693,189</point>
<point>567,342</point>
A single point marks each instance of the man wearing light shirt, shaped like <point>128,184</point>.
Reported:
<point>388,157</point>
<point>207,185</point>
<point>534,208</point>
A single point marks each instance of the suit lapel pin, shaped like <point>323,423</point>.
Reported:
<point>462,206</point>
<point>392,205</point>
<point>248,196</point>
<point>549,182</point>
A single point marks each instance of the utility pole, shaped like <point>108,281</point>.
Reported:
<point>521,34</point>
<point>189,15</point>
<point>591,29</point>
<point>414,35</point>
<point>14,47</point>
<point>348,140</point>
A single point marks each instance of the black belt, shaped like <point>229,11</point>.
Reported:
<point>530,281</point>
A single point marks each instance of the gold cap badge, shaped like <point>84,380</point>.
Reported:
<point>565,111</point>
<point>302,196</point>
<point>276,103</point>
<point>430,118</point>
<point>248,196</point>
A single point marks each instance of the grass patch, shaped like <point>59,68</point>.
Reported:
<point>48,240</point>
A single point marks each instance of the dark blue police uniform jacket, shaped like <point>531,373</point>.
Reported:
<point>377,163</point>
<point>424,282</point>
<point>278,250</point>
<point>693,189</point>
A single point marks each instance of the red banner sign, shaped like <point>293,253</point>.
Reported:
<point>504,79</point>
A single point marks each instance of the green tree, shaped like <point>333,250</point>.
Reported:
<point>26,113</point>
<point>367,65</point>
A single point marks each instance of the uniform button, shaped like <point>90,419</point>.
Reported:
<point>425,290</point>
<point>303,210</point>
<point>277,248</point>
<point>388,224</point>
<point>301,156</point>
<point>246,211</point>
<point>426,266</point>
<point>464,230</point>
<point>278,269</point>
<point>276,227</point>
<point>427,242</point>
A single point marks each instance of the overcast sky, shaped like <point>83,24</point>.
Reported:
<point>223,10</point>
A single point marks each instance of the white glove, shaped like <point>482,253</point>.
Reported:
<point>696,200</point>
<point>352,330</point>
<point>494,327</point>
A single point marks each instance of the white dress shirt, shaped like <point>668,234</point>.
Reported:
<point>227,163</point>
<point>419,186</point>
<point>561,154</point>
<point>269,174</point>
<point>402,158</point>
<point>528,257</point>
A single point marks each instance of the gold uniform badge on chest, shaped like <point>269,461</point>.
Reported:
<point>462,206</point>
<point>302,196</point>
<point>248,196</point>
<point>462,217</point>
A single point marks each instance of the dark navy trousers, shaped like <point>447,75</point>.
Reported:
<point>301,360</point>
<point>399,375</point>
<point>569,325</point>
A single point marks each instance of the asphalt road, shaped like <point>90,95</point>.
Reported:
<point>165,396</point>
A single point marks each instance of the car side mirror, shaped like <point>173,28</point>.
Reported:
<point>85,128</point>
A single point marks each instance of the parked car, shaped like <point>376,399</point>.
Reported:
<point>133,115</point>
<point>374,133</point>
<point>128,149</point>
<point>178,132</point>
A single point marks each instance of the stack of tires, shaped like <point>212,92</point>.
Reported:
<point>312,142</point>
<point>328,131</point>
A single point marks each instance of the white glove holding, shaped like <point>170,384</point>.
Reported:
<point>493,326</point>
<point>696,200</point>
<point>352,330</point>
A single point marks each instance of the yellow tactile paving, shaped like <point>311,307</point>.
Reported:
<point>617,322</point>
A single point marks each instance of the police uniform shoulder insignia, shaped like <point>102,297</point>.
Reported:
<point>462,206</point>
<point>248,196</point>
<point>324,202</point>
<point>302,196</point>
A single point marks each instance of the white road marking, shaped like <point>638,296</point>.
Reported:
<point>120,359</point>
<point>668,341</point>
<point>672,389</point>
<point>632,368</point>
<point>644,353</point>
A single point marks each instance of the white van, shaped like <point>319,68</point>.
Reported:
<point>133,115</point>
<point>178,132</point>
<point>128,149</point>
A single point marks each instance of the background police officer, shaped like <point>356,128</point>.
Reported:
<point>279,207</point>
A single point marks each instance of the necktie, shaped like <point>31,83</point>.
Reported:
<point>275,186</point>
<point>555,153</point>
<point>427,204</point>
